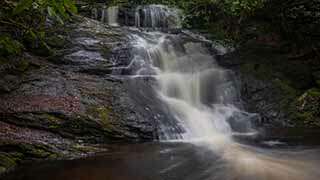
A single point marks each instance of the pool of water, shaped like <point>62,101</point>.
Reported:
<point>180,161</point>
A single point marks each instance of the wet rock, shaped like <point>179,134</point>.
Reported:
<point>63,106</point>
<point>271,84</point>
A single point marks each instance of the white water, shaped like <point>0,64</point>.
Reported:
<point>113,15</point>
<point>204,100</point>
<point>157,16</point>
<point>106,15</point>
<point>200,94</point>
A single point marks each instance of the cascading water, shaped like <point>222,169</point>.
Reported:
<point>113,15</point>
<point>202,97</point>
<point>157,16</point>
<point>106,15</point>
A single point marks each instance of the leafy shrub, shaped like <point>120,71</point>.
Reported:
<point>9,46</point>
<point>25,20</point>
<point>242,7</point>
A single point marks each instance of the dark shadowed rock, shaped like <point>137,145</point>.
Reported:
<point>271,84</point>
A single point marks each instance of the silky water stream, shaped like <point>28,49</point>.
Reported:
<point>205,107</point>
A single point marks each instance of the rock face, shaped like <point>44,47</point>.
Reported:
<point>281,89</point>
<point>60,107</point>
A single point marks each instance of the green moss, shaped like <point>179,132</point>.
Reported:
<point>40,153</point>
<point>305,117</point>
<point>36,44</point>
<point>23,65</point>
<point>103,114</point>
<point>54,127</point>
<point>308,108</point>
<point>314,92</point>
<point>16,155</point>
<point>36,151</point>
<point>53,156</point>
<point>9,47</point>
<point>7,161</point>
<point>56,41</point>
<point>51,118</point>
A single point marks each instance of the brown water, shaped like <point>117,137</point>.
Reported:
<point>180,161</point>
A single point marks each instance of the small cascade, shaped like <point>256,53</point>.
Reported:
<point>202,97</point>
<point>147,16</point>
<point>113,12</point>
<point>106,15</point>
<point>157,16</point>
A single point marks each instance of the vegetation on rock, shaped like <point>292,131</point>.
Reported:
<point>26,21</point>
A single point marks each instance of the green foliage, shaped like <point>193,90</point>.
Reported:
<point>22,5</point>
<point>242,7</point>
<point>8,46</point>
<point>57,9</point>
<point>25,21</point>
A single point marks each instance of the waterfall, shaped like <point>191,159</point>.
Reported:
<point>106,15</point>
<point>94,13</point>
<point>113,15</point>
<point>157,16</point>
<point>201,96</point>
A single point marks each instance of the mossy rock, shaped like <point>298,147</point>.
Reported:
<point>104,114</point>
<point>52,121</point>
<point>86,149</point>
<point>51,118</point>
<point>308,108</point>
<point>56,41</point>
<point>15,65</point>
<point>37,45</point>
<point>30,150</point>
<point>39,153</point>
<point>7,161</point>
<point>10,47</point>
<point>23,65</point>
